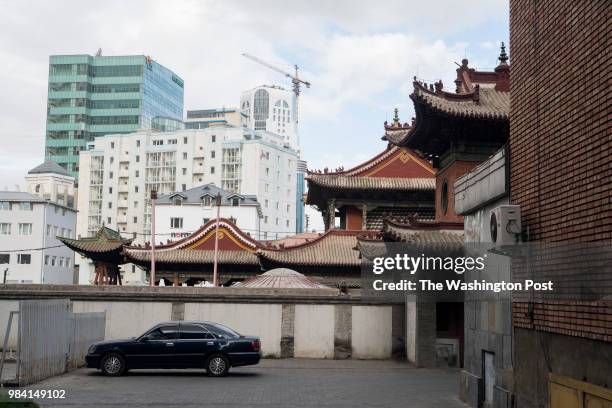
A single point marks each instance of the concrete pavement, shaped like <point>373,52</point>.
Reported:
<point>273,383</point>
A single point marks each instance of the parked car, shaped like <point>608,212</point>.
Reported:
<point>177,344</point>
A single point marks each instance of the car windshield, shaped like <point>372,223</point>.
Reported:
<point>222,332</point>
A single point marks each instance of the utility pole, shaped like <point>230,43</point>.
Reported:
<point>215,266</point>
<point>153,198</point>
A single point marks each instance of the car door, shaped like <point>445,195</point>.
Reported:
<point>194,345</point>
<point>155,349</point>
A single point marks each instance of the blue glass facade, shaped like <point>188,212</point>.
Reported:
<point>92,96</point>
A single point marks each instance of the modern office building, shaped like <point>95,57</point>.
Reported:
<point>29,225</point>
<point>273,109</point>
<point>179,214</point>
<point>91,96</point>
<point>203,118</point>
<point>119,171</point>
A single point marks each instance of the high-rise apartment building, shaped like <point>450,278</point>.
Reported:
<point>273,109</point>
<point>119,171</point>
<point>91,96</point>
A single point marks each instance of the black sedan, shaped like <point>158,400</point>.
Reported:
<point>177,344</point>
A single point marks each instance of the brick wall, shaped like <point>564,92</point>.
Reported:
<point>561,147</point>
<point>560,141</point>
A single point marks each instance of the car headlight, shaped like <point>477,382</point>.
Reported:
<point>92,349</point>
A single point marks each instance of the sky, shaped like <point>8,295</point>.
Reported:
<point>360,57</point>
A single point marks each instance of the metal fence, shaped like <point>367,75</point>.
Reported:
<point>87,328</point>
<point>52,339</point>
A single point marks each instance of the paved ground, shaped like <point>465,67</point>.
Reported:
<point>273,383</point>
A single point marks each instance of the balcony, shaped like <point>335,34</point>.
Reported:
<point>122,204</point>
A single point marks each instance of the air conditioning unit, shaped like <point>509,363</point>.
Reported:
<point>505,224</point>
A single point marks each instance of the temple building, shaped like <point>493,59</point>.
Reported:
<point>395,182</point>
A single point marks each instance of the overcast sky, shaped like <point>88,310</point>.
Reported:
<point>360,57</point>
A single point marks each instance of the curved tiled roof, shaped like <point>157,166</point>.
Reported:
<point>334,248</point>
<point>191,256</point>
<point>423,232</point>
<point>482,103</point>
<point>105,240</point>
<point>372,183</point>
<point>282,278</point>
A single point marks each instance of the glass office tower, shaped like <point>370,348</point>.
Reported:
<point>93,96</point>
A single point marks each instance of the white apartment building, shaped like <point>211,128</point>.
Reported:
<point>274,109</point>
<point>29,249</point>
<point>119,172</point>
<point>50,181</point>
<point>179,214</point>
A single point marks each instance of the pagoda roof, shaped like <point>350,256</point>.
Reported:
<point>334,248</point>
<point>105,243</point>
<point>372,183</point>
<point>235,247</point>
<point>479,109</point>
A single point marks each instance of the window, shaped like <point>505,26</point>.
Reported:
<point>55,231</point>
<point>25,206</point>
<point>110,204</point>
<point>135,204</point>
<point>235,202</point>
<point>137,159</point>
<point>287,223</point>
<point>137,145</point>
<point>5,205</point>
<point>178,201</point>
<point>212,170</point>
<point>158,142</point>
<point>46,259</point>
<point>61,261</point>
<point>5,258</point>
<point>167,332</point>
<point>266,203</point>
<point>112,159</point>
<point>213,138</point>
<point>63,232</point>
<point>137,173</point>
<point>112,147</point>
<point>135,220</point>
<point>212,154</point>
<point>191,331</point>
<point>207,201</point>
<point>171,141</point>
<point>184,140</point>
<point>135,189</point>
<point>110,174</point>
<point>110,190</point>
<point>25,228</point>
<point>53,258</point>
<point>5,228</point>
<point>184,187</point>
<point>24,259</point>
<point>48,230</point>
<point>185,156</point>
<point>176,222</point>
<point>265,219</point>
<point>69,233</point>
<point>184,171</point>
<point>288,207</point>
<point>444,197</point>
<point>222,332</point>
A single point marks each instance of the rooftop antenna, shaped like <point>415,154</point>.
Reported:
<point>99,52</point>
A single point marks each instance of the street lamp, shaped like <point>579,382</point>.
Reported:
<point>153,198</point>
<point>218,204</point>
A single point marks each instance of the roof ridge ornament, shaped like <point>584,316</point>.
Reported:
<point>503,57</point>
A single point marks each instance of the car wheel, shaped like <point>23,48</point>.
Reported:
<point>113,365</point>
<point>217,365</point>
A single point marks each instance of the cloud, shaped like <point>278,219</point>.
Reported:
<point>360,57</point>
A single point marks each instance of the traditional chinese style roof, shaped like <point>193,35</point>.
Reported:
<point>105,245</point>
<point>282,278</point>
<point>235,248</point>
<point>395,174</point>
<point>423,232</point>
<point>292,240</point>
<point>477,111</point>
<point>372,183</point>
<point>334,248</point>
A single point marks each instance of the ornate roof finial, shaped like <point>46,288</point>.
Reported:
<point>503,57</point>
<point>396,117</point>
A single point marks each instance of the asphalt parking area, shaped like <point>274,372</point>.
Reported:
<point>272,383</point>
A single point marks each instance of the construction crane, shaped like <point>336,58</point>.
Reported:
<point>295,79</point>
